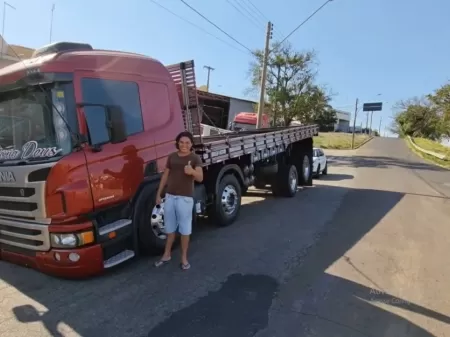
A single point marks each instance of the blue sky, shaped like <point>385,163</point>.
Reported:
<point>396,48</point>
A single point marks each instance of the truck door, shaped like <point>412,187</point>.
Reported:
<point>115,170</point>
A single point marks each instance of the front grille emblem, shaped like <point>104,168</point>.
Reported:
<point>22,192</point>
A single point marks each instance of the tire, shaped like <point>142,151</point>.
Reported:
<point>149,242</point>
<point>286,181</point>
<point>305,170</point>
<point>229,192</point>
<point>325,170</point>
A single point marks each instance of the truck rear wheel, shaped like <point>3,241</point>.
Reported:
<point>149,218</point>
<point>228,201</point>
<point>305,170</point>
<point>285,182</point>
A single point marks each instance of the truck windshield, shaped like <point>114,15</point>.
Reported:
<point>30,127</point>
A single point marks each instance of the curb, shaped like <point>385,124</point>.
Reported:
<point>431,153</point>
<point>418,153</point>
<point>363,143</point>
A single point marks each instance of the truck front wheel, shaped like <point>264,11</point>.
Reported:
<point>149,220</point>
<point>227,203</point>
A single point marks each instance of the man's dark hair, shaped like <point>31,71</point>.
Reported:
<point>186,134</point>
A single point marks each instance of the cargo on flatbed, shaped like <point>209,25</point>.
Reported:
<point>80,169</point>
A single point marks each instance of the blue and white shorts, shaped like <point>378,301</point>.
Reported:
<point>178,214</point>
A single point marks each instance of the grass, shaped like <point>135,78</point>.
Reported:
<point>430,145</point>
<point>337,140</point>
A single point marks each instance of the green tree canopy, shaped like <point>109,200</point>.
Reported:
<point>426,117</point>
<point>291,90</point>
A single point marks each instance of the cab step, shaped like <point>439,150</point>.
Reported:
<point>118,259</point>
<point>114,226</point>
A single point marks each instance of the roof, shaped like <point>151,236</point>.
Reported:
<point>19,51</point>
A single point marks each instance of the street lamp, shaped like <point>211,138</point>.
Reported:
<point>5,4</point>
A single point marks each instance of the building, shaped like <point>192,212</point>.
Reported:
<point>219,110</point>
<point>10,53</point>
<point>343,121</point>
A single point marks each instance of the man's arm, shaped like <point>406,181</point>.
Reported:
<point>165,176</point>
<point>163,182</point>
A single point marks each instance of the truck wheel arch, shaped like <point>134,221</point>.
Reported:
<point>152,181</point>
<point>229,169</point>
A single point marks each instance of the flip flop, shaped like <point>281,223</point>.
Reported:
<point>185,266</point>
<point>161,262</point>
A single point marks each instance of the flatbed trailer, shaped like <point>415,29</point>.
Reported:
<point>87,202</point>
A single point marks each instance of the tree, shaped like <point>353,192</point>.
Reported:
<point>290,88</point>
<point>418,117</point>
<point>326,119</point>
<point>441,101</point>
<point>427,117</point>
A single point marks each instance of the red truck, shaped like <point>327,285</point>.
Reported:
<point>248,121</point>
<point>78,175</point>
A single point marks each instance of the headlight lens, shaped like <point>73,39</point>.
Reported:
<point>71,240</point>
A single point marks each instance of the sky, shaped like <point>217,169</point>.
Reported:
<point>373,50</point>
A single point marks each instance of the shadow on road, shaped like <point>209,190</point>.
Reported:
<point>381,162</point>
<point>268,233</point>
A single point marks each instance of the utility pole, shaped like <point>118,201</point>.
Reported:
<point>5,4</point>
<point>354,124</point>
<point>371,115</point>
<point>209,72</point>
<point>51,22</point>
<point>367,122</point>
<point>379,127</point>
<point>264,75</point>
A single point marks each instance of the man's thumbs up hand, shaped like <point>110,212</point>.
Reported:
<point>188,169</point>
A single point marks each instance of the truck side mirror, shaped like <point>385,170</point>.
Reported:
<point>116,124</point>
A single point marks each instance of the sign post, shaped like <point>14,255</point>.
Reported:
<point>371,107</point>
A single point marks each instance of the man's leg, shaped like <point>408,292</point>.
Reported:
<point>170,224</point>
<point>184,209</point>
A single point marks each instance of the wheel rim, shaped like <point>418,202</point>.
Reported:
<point>157,221</point>
<point>293,179</point>
<point>306,168</point>
<point>229,199</point>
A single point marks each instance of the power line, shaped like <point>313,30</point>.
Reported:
<point>261,14</point>
<point>198,27</point>
<point>306,20</point>
<point>254,22</point>
<point>204,17</point>
<point>250,12</point>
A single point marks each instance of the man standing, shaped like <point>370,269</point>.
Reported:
<point>182,169</point>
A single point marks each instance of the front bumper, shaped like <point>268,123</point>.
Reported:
<point>110,247</point>
<point>90,261</point>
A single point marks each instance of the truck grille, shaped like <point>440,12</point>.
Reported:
<point>24,234</point>
<point>17,201</point>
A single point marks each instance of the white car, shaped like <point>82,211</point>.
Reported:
<point>320,162</point>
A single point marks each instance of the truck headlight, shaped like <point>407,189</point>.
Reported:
<point>71,240</point>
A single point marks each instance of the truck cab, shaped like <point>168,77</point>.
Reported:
<point>81,130</point>
<point>246,121</point>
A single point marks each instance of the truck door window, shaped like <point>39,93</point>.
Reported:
<point>96,121</point>
<point>109,92</point>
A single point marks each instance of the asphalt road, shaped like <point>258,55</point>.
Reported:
<point>363,253</point>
